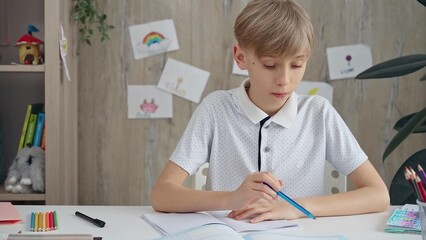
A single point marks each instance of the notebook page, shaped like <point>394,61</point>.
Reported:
<point>282,236</point>
<point>244,225</point>
<point>205,232</point>
<point>170,223</point>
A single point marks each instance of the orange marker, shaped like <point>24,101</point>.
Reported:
<point>46,217</point>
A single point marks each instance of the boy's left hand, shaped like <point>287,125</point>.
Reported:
<point>262,210</point>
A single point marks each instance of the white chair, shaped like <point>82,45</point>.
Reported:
<point>335,182</point>
<point>201,177</point>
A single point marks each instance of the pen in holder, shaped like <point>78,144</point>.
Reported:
<point>422,216</point>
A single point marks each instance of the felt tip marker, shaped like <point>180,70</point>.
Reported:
<point>95,221</point>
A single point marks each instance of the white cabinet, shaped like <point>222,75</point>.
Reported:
<point>45,83</point>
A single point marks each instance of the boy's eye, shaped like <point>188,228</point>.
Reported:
<point>296,66</point>
<point>269,66</point>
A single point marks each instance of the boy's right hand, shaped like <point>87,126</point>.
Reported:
<point>253,188</point>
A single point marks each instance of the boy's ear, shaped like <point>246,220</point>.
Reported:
<point>240,57</point>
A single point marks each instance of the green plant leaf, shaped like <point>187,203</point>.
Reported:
<point>400,190</point>
<point>415,121</point>
<point>395,67</point>
<point>86,14</point>
<point>401,123</point>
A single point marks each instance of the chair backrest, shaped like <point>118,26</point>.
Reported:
<point>335,182</point>
<point>201,177</point>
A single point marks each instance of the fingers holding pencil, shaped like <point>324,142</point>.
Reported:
<point>253,189</point>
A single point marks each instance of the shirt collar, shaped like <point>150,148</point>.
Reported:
<point>284,117</point>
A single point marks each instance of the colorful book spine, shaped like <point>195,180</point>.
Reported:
<point>30,130</point>
<point>43,138</point>
<point>31,108</point>
<point>24,128</point>
<point>38,130</point>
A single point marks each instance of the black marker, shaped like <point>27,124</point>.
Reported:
<point>96,221</point>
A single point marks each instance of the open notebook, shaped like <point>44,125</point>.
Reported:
<point>170,223</point>
<point>223,232</point>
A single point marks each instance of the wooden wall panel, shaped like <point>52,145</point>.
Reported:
<point>119,159</point>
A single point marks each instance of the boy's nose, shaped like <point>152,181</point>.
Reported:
<point>282,79</point>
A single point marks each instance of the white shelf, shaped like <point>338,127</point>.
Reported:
<point>21,68</point>
<point>5,196</point>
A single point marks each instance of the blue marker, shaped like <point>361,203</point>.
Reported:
<point>292,202</point>
<point>32,222</point>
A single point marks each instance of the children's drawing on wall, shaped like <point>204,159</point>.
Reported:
<point>153,38</point>
<point>147,101</point>
<point>348,61</point>
<point>316,88</point>
<point>183,80</point>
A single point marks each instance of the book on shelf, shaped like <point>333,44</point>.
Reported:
<point>38,130</point>
<point>30,130</point>
<point>31,108</point>
<point>43,137</point>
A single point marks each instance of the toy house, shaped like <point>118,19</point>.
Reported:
<point>29,49</point>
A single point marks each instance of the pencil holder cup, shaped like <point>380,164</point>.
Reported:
<point>422,216</point>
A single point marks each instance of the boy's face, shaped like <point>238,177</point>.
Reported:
<point>272,79</point>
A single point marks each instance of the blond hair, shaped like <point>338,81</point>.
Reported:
<point>274,27</point>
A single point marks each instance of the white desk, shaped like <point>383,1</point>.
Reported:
<point>125,222</point>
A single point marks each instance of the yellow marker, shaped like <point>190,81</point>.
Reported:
<point>44,222</point>
<point>40,222</point>
<point>35,222</point>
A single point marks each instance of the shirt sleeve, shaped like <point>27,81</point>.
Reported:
<point>193,149</point>
<point>342,149</point>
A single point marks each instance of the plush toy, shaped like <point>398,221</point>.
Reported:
<point>26,174</point>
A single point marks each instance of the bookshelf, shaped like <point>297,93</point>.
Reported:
<point>41,83</point>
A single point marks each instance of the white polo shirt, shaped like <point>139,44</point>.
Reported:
<point>296,142</point>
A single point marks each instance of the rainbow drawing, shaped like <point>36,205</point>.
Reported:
<point>153,38</point>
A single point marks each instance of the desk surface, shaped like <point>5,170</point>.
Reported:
<point>125,222</point>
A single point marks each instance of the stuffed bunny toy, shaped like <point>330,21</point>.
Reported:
<point>26,174</point>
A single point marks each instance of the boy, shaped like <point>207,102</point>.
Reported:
<point>262,132</point>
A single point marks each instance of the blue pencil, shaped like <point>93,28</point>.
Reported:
<point>32,221</point>
<point>292,202</point>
